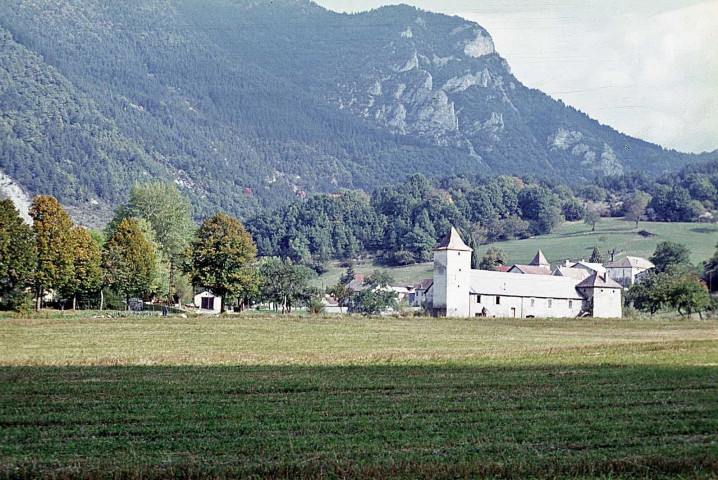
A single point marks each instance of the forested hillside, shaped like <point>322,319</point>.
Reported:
<point>401,223</point>
<point>249,104</point>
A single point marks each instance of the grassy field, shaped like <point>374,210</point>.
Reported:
<point>322,397</point>
<point>573,241</point>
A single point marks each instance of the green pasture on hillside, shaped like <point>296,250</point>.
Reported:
<point>352,397</point>
<point>573,241</point>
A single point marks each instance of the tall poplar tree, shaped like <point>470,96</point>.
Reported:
<point>17,255</point>
<point>52,226</point>
<point>221,258</point>
<point>129,261</point>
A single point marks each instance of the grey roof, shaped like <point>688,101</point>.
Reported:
<point>539,259</point>
<point>596,267</point>
<point>484,282</point>
<point>357,284</point>
<point>631,262</point>
<point>453,241</point>
<point>577,274</point>
<point>532,269</point>
<point>424,284</point>
<point>598,281</point>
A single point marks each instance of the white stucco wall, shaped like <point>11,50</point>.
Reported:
<point>217,301</point>
<point>451,283</point>
<point>607,303</point>
<point>522,307</point>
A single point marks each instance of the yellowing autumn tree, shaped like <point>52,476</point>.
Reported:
<point>87,266</point>
<point>129,261</point>
<point>53,240</point>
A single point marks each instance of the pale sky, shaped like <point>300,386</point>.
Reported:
<point>648,68</point>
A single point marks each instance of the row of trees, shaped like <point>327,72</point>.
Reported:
<point>150,249</point>
<point>55,256</point>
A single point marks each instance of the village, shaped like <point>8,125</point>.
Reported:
<point>571,290</point>
<point>531,290</point>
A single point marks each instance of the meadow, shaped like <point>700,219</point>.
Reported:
<point>572,241</point>
<point>326,397</point>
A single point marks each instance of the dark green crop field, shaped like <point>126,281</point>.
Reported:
<point>383,398</point>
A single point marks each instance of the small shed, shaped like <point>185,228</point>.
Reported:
<point>208,301</point>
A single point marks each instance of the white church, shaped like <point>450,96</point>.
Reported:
<point>459,291</point>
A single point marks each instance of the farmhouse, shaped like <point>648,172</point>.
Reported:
<point>459,291</point>
<point>625,270</point>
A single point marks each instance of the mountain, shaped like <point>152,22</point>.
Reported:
<point>248,104</point>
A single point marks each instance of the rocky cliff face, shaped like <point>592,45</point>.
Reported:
<point>442,79</point>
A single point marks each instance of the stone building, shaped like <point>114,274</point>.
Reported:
<point>459,291</point>
<point>625,270</point>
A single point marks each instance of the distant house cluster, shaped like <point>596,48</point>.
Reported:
<point>532,290</point>
<point>410,294</point>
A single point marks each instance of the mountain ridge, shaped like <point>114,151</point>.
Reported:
<point>248,105</point>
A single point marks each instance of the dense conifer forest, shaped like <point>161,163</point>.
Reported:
<point>248,105</point>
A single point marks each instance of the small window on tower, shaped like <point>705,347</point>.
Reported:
<point>550,302</point>
<point>532,302</point>
<point>570,304</point>
<point>498,300</point>
<point>478,298</point>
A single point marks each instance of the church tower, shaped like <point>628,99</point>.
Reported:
<point>452,272</point>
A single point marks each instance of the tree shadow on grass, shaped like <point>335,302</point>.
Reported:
<point>704,230</point>
<point>358,421</point>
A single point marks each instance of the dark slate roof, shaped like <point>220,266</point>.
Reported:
<point>424,284</point>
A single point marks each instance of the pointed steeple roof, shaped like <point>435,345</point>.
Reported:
<point>453,241</point>
<point>539,260</point>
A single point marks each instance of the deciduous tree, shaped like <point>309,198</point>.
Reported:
<point>687,293</point>
<point>17,255</point>
<point>710,271</point>
<point>285,283</point>
<point>221,257</point>
<point>592,217</point>
<point>87,266</point>
<point>376,294</point>
<point>635,206</point>
<point>342,293</point>
<point>493,257</point>
<point>52,226</point>
<point>669,253</point>
<point>169,214</point>
<point>129,261</point>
